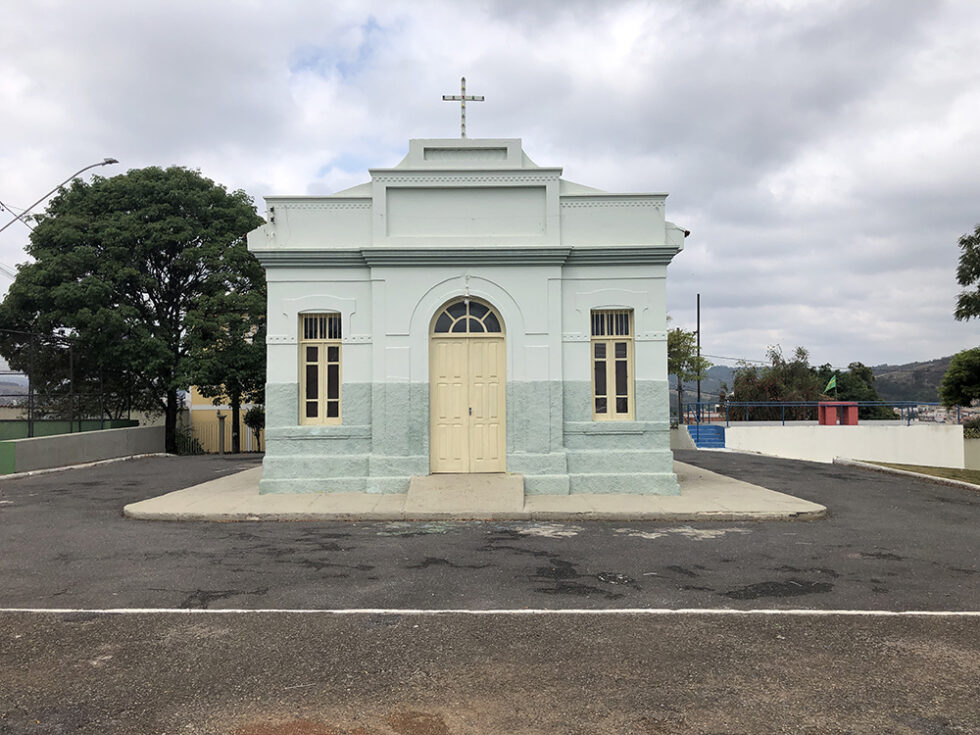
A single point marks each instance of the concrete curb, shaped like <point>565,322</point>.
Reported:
<point>368,516</point>
<point>705,496</point>
<point>111,460</point>
<point>906,473</point>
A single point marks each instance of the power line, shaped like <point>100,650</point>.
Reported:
<point>766,362</point>
<point>735,359</point>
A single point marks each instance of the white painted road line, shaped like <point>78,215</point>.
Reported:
<point>518,612</point>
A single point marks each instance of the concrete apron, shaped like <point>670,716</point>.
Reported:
<point>705,496</point>
<point>484,494</point>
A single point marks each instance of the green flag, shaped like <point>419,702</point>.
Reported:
<point>832,383</point>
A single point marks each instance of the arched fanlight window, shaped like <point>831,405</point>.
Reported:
<point>467,317</point>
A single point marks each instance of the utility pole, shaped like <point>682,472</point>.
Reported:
<point>699,358</point>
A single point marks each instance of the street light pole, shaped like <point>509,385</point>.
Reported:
<point>17,218</point>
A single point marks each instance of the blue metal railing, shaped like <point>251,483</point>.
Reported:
<point>695,412</point>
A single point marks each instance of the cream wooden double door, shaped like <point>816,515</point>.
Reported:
<point>466,404</point>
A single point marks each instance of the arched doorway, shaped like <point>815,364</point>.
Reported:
<point>467,389</point>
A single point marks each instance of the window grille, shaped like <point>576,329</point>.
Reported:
<point>612,323</point>
<point>321,326</point>
<point>467,317</point>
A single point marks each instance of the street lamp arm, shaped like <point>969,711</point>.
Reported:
<point>23,221</point>
<point>103,162</point>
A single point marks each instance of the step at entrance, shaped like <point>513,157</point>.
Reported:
<point>470,495</point>
<point>707,436</point>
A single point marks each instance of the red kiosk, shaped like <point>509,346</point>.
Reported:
<point>831,413</point>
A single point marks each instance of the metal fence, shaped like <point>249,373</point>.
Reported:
<point>43,414</point>
<point>215,438</point>
<point>59,385</point>
<point>783,411</point>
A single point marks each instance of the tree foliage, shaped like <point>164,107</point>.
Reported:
<point>255,420</point>
<point>683,361</point>
<point>133,271</point>
<point>968,276</point>
<point>227,338</point>
<point>782,380</point>
<point>791,380</point>
<point>961,383</point>
<point>857,383</point>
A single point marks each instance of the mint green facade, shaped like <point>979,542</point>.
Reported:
<point>456,219</point>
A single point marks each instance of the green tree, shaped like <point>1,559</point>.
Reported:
<point>781,381</point>
<point>856,384</point>
<point>961,383</point>
<point>683,362</point>
<point>128,268</point>
<point>255,420</point>
<point>68,381</point>
<point>227,337</point>
<point>968,276</point>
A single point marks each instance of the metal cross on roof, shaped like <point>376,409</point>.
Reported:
<point>462,98</point>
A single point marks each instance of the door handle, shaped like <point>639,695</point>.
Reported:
<point>471,410</point>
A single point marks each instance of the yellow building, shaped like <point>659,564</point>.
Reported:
<point>206,426</point>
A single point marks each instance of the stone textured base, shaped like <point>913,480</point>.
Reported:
<point>634,483</point>
<point>551,441</point>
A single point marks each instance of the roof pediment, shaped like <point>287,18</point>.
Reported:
<point>482,193</point>
<point>465,153</point>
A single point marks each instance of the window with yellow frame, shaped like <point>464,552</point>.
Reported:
<point>319,360</point>
<point>612,365</point>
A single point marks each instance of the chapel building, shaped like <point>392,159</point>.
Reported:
<point>467,311</point>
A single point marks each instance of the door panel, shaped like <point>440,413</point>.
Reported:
<point>467,409</point>
<point>449,451</point>
<point>486,391</point>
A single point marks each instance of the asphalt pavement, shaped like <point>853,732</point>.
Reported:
<point>751,647</point>
<point>267,674</point>
<point>888,544</point>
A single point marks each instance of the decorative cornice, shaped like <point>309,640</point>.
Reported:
<point>292,339</point>
<point>360,257</point>
<point>580,202</point>
<point>651,337</point>
<point>640,337</point>
<point>347,258</point>
<point>614,427</point>
<point>483,177</point>
<point>455,256</point>
<point>621,255</point>
<point>317,433</point>
<point>364,204</point>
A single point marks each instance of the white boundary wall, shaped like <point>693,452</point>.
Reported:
<point>45,452</point>
<point>935,445</point>
<point>971,449</point>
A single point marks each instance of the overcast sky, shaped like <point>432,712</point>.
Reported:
<point>824,155</point>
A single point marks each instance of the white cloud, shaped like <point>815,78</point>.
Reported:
<point>823,154</point>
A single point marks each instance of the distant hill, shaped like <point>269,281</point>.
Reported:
<point>717,375</point>
<point>915,381</point>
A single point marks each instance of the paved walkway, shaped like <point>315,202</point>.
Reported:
<point>705,496</point>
